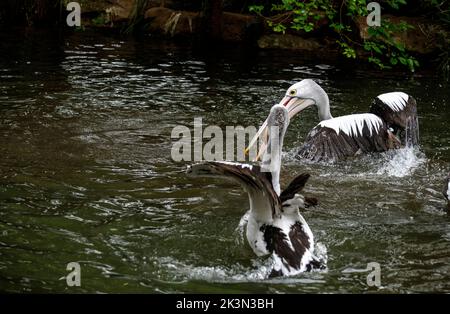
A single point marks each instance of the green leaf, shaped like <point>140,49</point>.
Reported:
<point>279,28</point>
<point>256,8</point>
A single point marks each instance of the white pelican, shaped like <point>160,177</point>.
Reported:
<point>391,123</point>
<point>274,225</point>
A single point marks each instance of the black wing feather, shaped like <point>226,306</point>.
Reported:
<point>404,121</point>
<point>294,187</point>
<point>324,144</point>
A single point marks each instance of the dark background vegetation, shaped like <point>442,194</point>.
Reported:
<point>413,34</point>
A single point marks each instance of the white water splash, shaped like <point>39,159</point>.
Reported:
<point>236,273</point>
<point>396,163</point>
<point>320,250</point>
<point>259,271</point>
<point>240,229</point>
<point>401,162</point>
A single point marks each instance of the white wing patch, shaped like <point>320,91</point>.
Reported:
<point>353,124</point>
<point>236,164</point>
<point>396,100</point>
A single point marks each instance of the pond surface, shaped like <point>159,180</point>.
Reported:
<point>86,173</point>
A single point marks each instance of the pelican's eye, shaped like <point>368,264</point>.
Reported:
<point>293,92</point>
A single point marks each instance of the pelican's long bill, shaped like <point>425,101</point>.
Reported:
<point>294,105</point>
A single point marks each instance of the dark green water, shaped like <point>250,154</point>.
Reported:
<point>86,173</point>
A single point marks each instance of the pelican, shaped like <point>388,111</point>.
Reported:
<point>274,224</point>
<point>447,190</point>
<point>391,123</point>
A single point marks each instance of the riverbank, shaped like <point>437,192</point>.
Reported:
<point>425,39</point>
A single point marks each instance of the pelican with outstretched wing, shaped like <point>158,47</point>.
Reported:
<point>275,225</point>
<point>391,123</point>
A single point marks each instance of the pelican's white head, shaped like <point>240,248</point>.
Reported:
<point>304,94</point>
<point>298,97</point>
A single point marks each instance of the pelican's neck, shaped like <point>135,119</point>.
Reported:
<point>277,123</point>
<point>272,157</point>
<point>323,105</point>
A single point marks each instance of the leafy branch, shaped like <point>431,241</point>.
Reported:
<point>381,48</point>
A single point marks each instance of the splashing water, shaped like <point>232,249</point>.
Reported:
<point>259,270</point>
<point>320,250</point>
<point>240,229</point>
<point>394,163</point>
<point>401,162</point>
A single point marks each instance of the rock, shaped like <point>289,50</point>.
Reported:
<point>239,27</point>
<point>174,23</point>
<point>120,10</point>
<point>236,27</point>
<point>361,25</point>
<point>423,38</point>
<point>104,13</point>
<point>97,6</point>
<point>288,41</point>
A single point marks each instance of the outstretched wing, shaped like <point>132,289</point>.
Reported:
<point>399,111</point>
<point>257,183</point>
<point>347,136</point>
